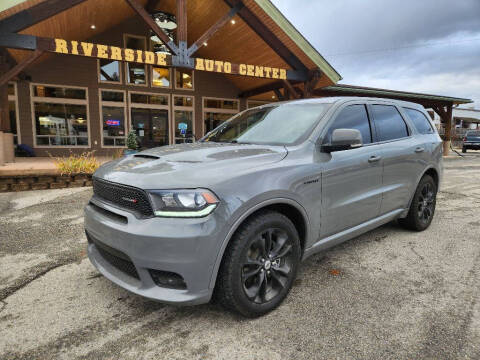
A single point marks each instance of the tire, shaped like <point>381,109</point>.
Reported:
<point>464,149</point>
<point>423,204</point>
<point>249,281</point>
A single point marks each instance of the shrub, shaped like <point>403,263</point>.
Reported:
<point>132,140</point>
<point>85,163</point>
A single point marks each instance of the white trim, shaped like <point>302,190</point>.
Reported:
<point>127,82</point>
<point>175,79</point>
<point>182,108</point>
<point>168,107</point>
<point>217,110</point>
<point>40,99</point>
<point>118,104</point>
<point>17,116</point>
<point>120,68</point>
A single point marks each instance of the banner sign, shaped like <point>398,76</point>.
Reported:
<point>72,47</point>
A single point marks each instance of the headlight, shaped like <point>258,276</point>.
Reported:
<point>183,203</point>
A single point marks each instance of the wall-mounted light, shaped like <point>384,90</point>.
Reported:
<point>205,44</point>
<point>93,27</point>
<point>233,22</point>
<point>273,96</point>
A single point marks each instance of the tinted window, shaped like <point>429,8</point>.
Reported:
<point>353,117</point>
<point>473,133</point>
<point>389,123</point>
<point>420,121</point>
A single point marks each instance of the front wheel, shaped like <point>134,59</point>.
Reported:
<point>422,209</point>
<point>260,265</point>
<point>464,149</point>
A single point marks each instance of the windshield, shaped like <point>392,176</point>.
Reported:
<point>277,125</point>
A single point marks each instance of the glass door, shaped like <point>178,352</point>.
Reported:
<point>151,126</point>
<point>150,118</point>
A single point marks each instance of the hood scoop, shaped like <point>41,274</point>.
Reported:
<point>147,156</point>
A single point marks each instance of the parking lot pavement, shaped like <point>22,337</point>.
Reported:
<point>389,294</point>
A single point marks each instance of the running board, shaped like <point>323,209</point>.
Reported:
<point>348,234</point>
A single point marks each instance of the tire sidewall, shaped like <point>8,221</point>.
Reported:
<point>421,225</point>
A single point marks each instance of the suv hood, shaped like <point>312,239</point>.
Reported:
<point>188,165</point>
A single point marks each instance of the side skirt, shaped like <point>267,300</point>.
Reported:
<point>348,234</point>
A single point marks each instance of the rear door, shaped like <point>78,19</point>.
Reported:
<point>402,155</point>
<point>351,179</point>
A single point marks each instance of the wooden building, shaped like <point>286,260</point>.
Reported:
<point>77,75</point>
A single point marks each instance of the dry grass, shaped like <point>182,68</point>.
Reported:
<point>85,163</point>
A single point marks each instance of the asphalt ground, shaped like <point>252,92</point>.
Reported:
<point>388,294</point>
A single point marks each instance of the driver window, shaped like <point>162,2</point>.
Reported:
<point>352,117</point>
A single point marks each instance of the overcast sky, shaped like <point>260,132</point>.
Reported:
<point>430,46</point>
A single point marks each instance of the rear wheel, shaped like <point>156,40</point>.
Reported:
<point>259,265</point>
<point>423,204</point>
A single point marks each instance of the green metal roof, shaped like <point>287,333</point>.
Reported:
<point>298,38</point>
<point>374,92</point>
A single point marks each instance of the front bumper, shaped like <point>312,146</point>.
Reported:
<point>187,247</point>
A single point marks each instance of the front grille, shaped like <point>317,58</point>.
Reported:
<point>123,196</point>
<point>115,258</point>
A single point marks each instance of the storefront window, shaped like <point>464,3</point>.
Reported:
<point>183,115</point>
<point>109,71</point>
<point>136,73</point>
<point>184,79</point>
<point>161,77</point>
<point>150,118</point>
<point>61,124</point>
<point>114,129</point>
<point>216,111</point>
<point>11,89</point>
<point>60,116</point>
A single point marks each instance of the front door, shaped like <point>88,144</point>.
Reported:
<point>151,126</point>
<point>351,179</point>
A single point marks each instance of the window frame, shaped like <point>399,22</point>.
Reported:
<point>118,104</point>
<point>175,79</point>
<point>14,98</point>
<point>127,82</point>
<point>216,110</point>
<point>120,69</point>
<point>370,105</point>
<point>183,108</point>
<point>168,107</point>
<point>63,101</point>
<point>170,77</point>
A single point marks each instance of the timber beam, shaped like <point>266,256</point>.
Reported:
<point>270,39</point>
<point>214,28</point>
<point>135,5</point>
<point>10,74</point>
<point>37,13</point>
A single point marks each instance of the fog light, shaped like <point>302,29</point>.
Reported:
<point>168,279</point>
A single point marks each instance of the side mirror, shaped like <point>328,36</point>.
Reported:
<point>344,139</point>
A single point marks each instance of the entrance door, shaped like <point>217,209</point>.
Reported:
<point>151,126</point>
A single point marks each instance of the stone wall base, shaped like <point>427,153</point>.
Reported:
<point>29,182</point>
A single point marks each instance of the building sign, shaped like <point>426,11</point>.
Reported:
<point>72,47</point>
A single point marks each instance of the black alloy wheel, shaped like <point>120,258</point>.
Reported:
<point>267,265</point>
<point>422,208</point>
<point>259,264</point>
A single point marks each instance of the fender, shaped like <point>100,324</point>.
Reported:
<point>240,220</point>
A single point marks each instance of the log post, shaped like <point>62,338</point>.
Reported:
<point>448,118</point>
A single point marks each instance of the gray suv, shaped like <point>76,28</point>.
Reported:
<point>232,215</point>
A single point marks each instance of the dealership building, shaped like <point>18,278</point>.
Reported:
<point>78,75</point>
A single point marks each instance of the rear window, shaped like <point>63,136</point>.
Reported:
<point>389,123</point>
<point>420,121</point>
<point>473,133</point>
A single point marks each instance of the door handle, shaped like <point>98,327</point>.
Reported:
<point>374,159</point>
<point>419,149</point>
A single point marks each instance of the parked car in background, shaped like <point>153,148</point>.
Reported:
<point>234,214</point>
<point>471,140</point>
